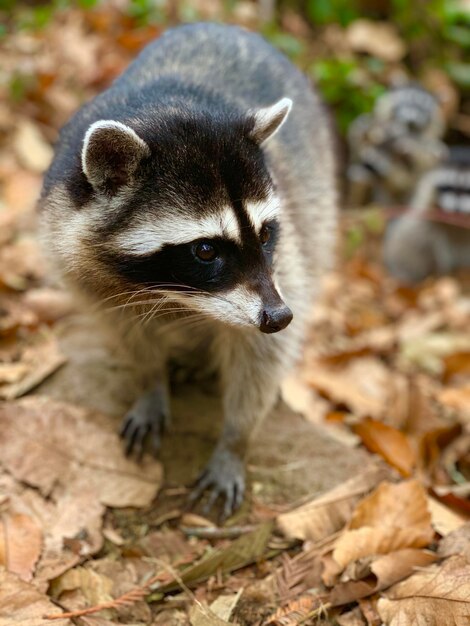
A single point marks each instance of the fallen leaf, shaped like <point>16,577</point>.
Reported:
<point>301,398</point>
<point>21,263</point>
<point>246,549</point>
<point>12,372</point>
<point>457,398</point>
<point>329,513</point>
<point>380,574</point>
<point>20,544</point>
<point>47,443</point>
<point>224,605</point>
<point>96,588</point>
<point>435,596</point>
<point>49,304</point>
<point>390,443</point>
<point>352,618</point>
<point>33,152</point>
<point>21,190</point>
<point>379,39</point>
<point>38,361</point>
<point>443,519</point>
<point>294,613</point>
<point>429,351</point>
<point>456,365</point>
<point>21,603</point>
<point>202,615</point>
<point>364,385</point>
<point>456,542</point>
<point>393,517</point>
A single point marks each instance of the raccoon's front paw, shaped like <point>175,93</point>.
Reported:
<point>146,421</point>
<point>224,476</point>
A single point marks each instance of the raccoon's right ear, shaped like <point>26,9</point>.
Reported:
<point>111,154</point>
<point>268,121</point>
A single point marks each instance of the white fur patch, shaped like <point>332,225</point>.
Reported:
<point>270,119</point>
<point>263,211</point>
<point>236,307</point>
<point>146,236</point>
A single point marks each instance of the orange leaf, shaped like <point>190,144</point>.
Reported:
<point>389,443</point>
<point>456,364</point>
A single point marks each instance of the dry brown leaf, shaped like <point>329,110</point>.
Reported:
<point>47,443</point>
<point>96,588</point>
<point>301,398</point>
<point>456,365</point>
<point>224,605</point>
<point>14,315</point>
<point>294,612</point>
<point>443,519</point>
<point>429,351</point>
<point>20,191</point>
<point>457,398</point>
<point>456,542</point>
<point>438,595</point>
<point>21,263</point>
<point>21,603</point>
<point>20,544</point>
<point>393,517</point>
<point>390,443</point>
<point>33,152</point>
<point>380,574</point>
<point>70,524</point>
<point>364,385</point>
<point>49,304</point>
<point>352,618</point>
<point>380,39</point>
<point>329,513</point>
<point>38,361</point>
<point>72,531</point>
<point>201,615</point>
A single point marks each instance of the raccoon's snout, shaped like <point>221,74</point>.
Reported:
<point>274,319</point>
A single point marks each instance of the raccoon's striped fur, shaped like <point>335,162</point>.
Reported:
<point>433,237</point>
<point>198,193</point>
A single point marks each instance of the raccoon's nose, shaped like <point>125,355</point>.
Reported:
<point>274,319</point>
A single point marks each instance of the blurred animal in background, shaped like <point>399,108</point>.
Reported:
<point>394,145</point>
<point>398,159</point>
<point>433,236</point>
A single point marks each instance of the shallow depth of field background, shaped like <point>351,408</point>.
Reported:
<point>377,418</point>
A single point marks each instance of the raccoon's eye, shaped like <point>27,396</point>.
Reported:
<point>265,235</point>
<point>205,252</point>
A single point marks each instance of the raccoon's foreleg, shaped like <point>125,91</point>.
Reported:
<point>251,377</point>
<point>147,420</point>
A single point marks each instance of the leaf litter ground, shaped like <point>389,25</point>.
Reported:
<point>358,505</point>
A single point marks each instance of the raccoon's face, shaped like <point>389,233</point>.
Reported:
<point>190,214</point>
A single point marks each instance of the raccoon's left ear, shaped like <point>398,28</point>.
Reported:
<point>270,119</point>
<point>111,154</point>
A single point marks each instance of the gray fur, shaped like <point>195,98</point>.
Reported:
<point>248,74</point>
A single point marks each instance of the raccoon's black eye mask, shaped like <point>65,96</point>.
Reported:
<point>216,264</point>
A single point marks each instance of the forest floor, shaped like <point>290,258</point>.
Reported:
<point>358,502</point>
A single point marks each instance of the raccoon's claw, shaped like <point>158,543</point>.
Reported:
<point>224,477</point>
<point>146,421</point>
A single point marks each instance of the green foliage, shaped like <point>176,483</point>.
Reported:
<point>346,87</point>
<point>329,11</point>
<point>289,44</point>
<point>147,11</point>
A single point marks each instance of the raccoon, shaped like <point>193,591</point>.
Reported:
<point>194,204</point>
<point>433,237</point>
<point>394,145</point>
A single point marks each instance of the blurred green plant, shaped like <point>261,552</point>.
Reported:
<point>436,34</point>
<point>329,11</point>
<point>346,87</point>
